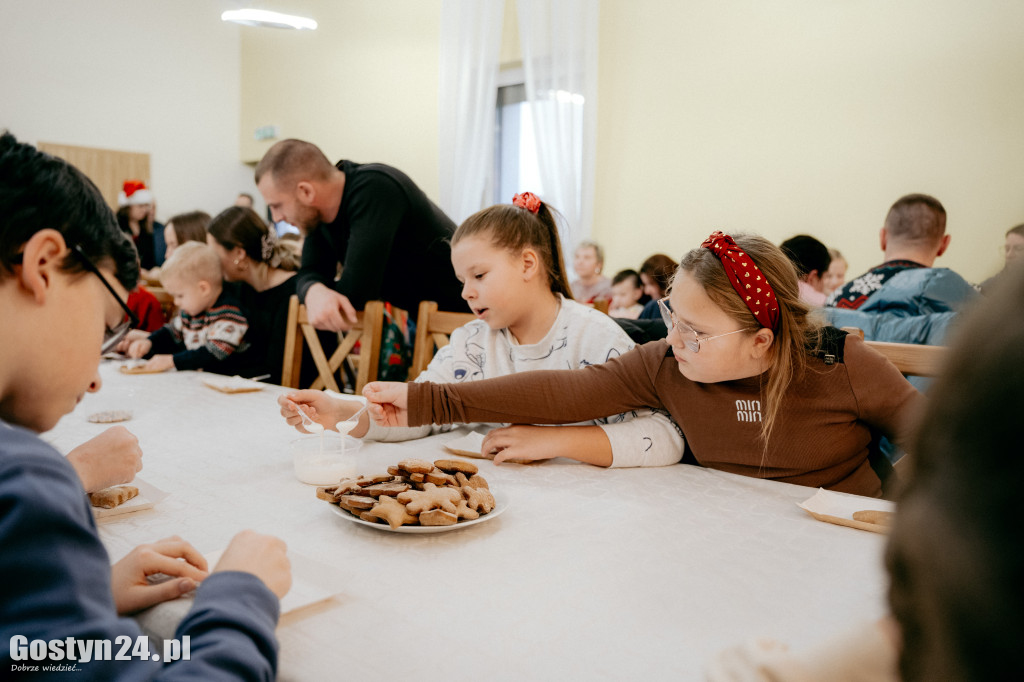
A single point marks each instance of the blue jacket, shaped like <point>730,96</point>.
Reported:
<point>914,306</point>
<point>55,584</point>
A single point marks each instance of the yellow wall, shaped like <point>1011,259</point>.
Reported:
<point>363,86</point>
<point>808,116</point>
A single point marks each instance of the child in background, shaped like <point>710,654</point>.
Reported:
<point>186,227</point>
<point>65,270</point>
<point>207,333</point>
<point>811,260</point>
<point>591,285</point>
<point>509,259</point>
<point>627,290</point>
<point>757,385</point>
<point>656,275</point>
<point>835,276</point>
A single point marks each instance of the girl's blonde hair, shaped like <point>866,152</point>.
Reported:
<point>513,228</point>
<point>798,332</point>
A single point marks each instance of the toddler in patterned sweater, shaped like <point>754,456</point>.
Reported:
<point>208,331</point>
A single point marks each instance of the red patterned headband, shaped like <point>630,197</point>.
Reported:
<point>746,278</point>
<point>527,200</point>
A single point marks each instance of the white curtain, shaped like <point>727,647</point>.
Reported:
<point>559,44</point>
<point>470,44</point>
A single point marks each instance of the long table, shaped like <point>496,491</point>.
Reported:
<point>590,573</point>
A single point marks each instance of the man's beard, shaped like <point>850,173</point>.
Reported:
<point>307,220</point>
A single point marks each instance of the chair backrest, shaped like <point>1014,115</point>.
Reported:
<point>366,332</point>
<point>433,327</point>
<point>166,301</point>
<point>602,304</point>
<point>911,359</point>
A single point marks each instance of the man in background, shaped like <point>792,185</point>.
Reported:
<point>391,241</point>
<point>905,299</point>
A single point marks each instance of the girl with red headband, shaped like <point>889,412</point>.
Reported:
<point>509,260</point>
<point>757,385</point>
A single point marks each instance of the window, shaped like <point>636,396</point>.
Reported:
<point>515,156</point>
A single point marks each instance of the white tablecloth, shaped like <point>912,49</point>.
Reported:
<point>590,573</point>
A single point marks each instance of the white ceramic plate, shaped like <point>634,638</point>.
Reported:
<point>500,505</point>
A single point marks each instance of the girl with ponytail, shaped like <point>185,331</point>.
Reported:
<point>758,386</point>
<point>511,265</point>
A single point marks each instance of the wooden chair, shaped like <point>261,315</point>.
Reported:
<point>602,304</point>
<point>910,358</point>
<point>367,332</point>
<point>433,328</point>
<point>166,301</point>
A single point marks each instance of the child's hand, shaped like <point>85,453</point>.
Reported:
<point>138,348</point>
<point>133,335</point>
<point>111,458</point>
<point>389,402</point>
<point>171,556</point>
<point>523,443</point>
<point>160,363</point>
<point>265,556</point>
<point>318,406</point>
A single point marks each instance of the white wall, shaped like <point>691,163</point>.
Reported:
<point>156,77</point>
<point>363,86</point>
<point>810,116</point>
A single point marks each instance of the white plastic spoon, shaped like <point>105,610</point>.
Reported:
<point>307,421</point>
<point>346,426</point>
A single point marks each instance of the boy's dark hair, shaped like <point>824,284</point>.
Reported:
<point>40,191</point>
<point>808,254</point>
<point>1017,230</point>
<point>624,275</point>
<point>954,556</point>
<point>514,228</point>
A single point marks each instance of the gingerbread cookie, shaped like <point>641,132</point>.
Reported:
<point>452,466</point>
<point>438,517</point>
<point>479,499</point>
<point>390,489</point>
<point>390,510</point>
<point>416,466</point>
<point>881,518</point>
<point>357,501</point>
<point>108,498</point>
<point>110,416</point>
<point>431,497</point>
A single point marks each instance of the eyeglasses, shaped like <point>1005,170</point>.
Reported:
<point>690,338</point>
<point>111,337</point>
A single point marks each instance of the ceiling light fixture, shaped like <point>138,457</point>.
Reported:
<point>267,19</point>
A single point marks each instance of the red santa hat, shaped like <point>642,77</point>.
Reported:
<point>134,193</point>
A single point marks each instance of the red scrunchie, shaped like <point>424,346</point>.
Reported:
<point>527,200</point>
<point>746,278</point>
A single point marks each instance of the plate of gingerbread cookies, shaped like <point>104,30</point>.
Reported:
<point>416,496</point>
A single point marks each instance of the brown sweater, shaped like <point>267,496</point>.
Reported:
<point>821,436</point>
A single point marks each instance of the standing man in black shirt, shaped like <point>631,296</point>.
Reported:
<point>390,239</point>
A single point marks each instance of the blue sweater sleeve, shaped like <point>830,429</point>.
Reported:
<point>55,582</point>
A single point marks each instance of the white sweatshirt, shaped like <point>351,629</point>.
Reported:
<point>580,336</point>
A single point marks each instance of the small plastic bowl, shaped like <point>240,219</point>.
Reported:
<point>322,459</point>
